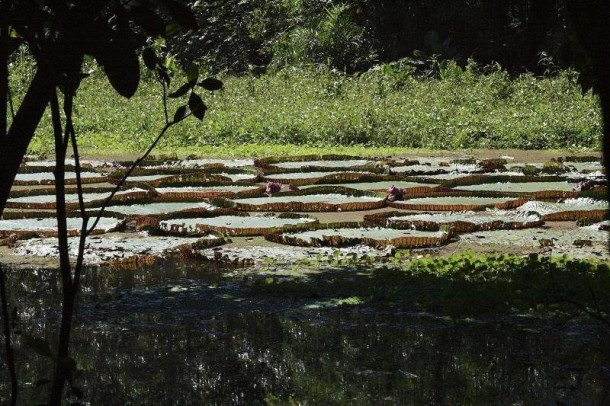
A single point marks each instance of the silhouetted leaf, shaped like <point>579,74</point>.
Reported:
<point>181,14</point>
<point>211,84</point>
<point>162,72</point>
<point>38,345</point>
<point>13,44</point>
<point>180,112</point>
<point>122,68</point>
<point>197,106</point>
<point>181,91</point>
<point>148,20</point>
<point>149,58</point>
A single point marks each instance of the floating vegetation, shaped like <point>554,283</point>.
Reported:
<point>47,201</point>
<point>203,192</point>
<point>323,163</point>
<point>48,178</point>
<point>101,249</point>
<point>569,209</point>
<point>235,225</point>
<point>538,190</point>
<point>459,222</point>
<point>336,236</point>
<point>382,186</point>
<point>47,227</point>
<point>313,202</point>
<point>308,178</point>
<point>457,203</point>
<point>161,208</point>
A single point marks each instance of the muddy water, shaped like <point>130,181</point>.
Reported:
<point>180,334</point>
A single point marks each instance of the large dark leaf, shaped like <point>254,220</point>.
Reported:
<point>181,91</point>
<point>122,67</point>
<point>180,14</point>
<point>197,106</point>
<point>179,114</point>
<point>148,20</point>
<point>210,84</point>
<point>149,58</point>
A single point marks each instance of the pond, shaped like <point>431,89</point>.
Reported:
<point>186,334</point>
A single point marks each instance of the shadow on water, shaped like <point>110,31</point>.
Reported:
<point>180,334</point>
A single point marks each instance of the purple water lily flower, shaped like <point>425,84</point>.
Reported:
<point>585,185</point>
<point>395,193</point>
<point>273,187</point>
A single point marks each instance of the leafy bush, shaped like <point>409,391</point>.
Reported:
<point>322,108</point>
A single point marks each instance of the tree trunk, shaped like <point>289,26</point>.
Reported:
<point>14,147</point>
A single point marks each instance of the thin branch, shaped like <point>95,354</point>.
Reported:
<point>10,357</point>
<point>131,169</point>
<point>165,113</point>
<point>68,104</point>
<point>10,102</point>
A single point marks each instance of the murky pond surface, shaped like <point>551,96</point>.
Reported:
<point>186,335</point>
<point>312,325</point>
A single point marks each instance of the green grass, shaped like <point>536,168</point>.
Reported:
<point>300,111</point>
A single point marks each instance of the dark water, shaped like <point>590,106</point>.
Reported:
<point>184,335</point>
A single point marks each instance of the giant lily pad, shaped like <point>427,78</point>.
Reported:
<point>457,203</point>
<point>307,178</point>
<point>47,201</point>
<point>48,226</point>
<point>235,225</point>
<point>47,178</point>
<point>382,186</point>
<point>348,163</point>
<point>459,221</point>
<point>161,208</point>
<point>103,249</point>
<point>313,202</point>
<point>539,190</point>
<point>207,192</point>
<point>569,209</point>
<point>337,237</point>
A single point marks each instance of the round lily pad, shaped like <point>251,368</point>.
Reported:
<point>160,208</point>
<point>457,203</point>
<point>314,202</point>
<point>370,236</point>
<point>235,225</point>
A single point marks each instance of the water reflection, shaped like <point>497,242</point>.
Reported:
<point>182,335</point>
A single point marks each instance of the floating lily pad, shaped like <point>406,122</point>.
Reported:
<point>379,186</point>
<point>460,221</point>
<point>160,208</point>
<point>539,190</point>
<point>313,202</point>
<point>323,163</point>
<point>207,192</point>
<point>48,226</point>
<point>47,201</point>
<point>337,237</point>
<point>569,209</point>
<point>102,249</point>
<point>236,225</point>
<point>457,203</point>
<point>47,178</point>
